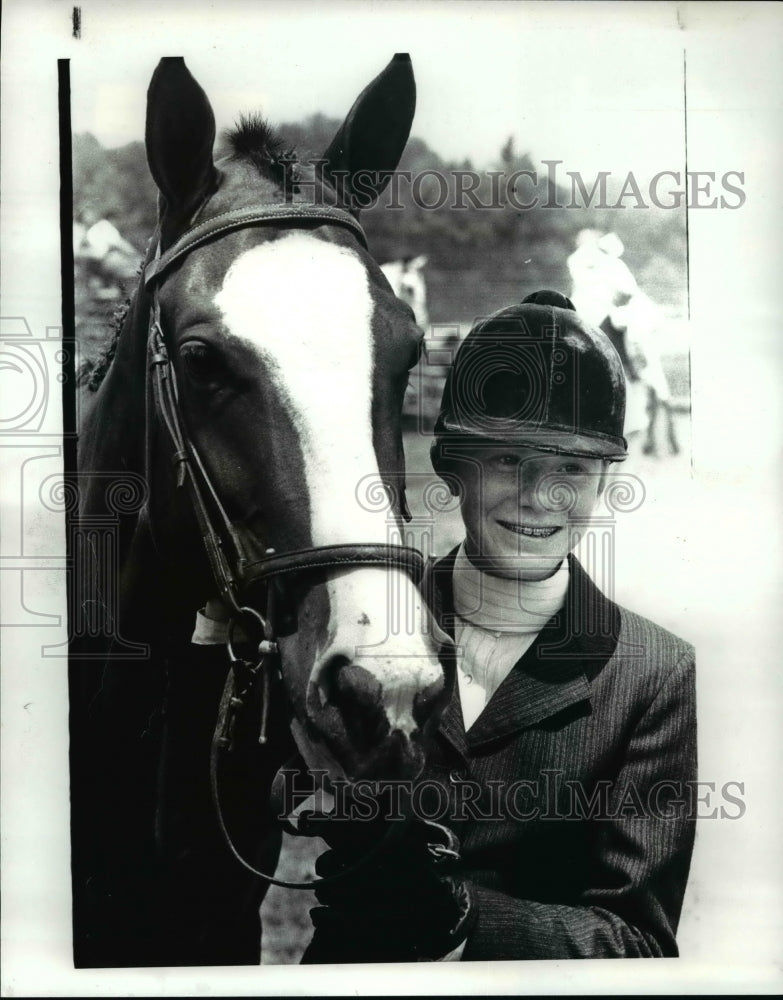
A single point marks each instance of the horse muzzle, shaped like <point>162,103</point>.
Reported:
<point>373,688</point>
<point>374,716</point>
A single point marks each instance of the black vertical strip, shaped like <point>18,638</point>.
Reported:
<point>68,382</point>
<point>68,320</point>
<point>66,267</point>
<point>687,237</point>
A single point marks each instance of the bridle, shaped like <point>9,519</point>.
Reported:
<point>232,571</point>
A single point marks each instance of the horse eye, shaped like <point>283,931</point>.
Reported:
<point>201,360</point>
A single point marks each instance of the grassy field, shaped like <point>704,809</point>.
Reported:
<point>285,913</point>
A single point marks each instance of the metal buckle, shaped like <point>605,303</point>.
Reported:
<point>266,647</point>
<point>246,674</point>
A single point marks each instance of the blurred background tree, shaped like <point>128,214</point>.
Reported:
<point>478,258</point>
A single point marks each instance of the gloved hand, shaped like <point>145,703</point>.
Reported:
<point>405,904</point>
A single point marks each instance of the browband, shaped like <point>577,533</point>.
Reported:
<point>241,218</point>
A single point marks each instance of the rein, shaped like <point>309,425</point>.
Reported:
<point>233,573</point>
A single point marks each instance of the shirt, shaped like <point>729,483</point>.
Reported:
<point>498,619</point>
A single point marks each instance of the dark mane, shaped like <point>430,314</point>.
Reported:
<point>92,371</point>
<point>252,139</point>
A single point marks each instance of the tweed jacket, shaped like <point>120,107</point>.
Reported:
<point>571,792</point>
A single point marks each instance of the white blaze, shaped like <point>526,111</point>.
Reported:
<point>306,306</point>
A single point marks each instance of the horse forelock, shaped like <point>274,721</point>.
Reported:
<point>253,140</point>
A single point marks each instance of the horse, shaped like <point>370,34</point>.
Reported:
<point>407,279</point>
<point>236,598</point>
<point>105,256</point>
<point>606,294</point>
<point>637,322</point>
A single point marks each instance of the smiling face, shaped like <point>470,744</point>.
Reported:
<point>519,506</point>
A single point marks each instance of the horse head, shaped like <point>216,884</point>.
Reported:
<point>288,360</point>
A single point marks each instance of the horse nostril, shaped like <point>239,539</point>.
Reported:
<point>328,678</point>
<point>358,696</point>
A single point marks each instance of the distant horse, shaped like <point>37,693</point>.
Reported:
<point>406,276</point>
<point>102,252</point>
<point>636,322</point>
<point>605,294</point>
<point>257,379</point>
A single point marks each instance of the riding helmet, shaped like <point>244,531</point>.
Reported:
<point>536,375</point>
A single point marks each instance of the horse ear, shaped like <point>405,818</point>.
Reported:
<point>179,137</point>
<point>369,144</point>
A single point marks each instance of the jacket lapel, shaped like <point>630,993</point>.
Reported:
<point>437,588</point>
<point>553,674</point>
<point>452,726</point>
<point>527,697</point>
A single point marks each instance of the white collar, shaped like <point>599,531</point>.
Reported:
<point>500,605</point>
